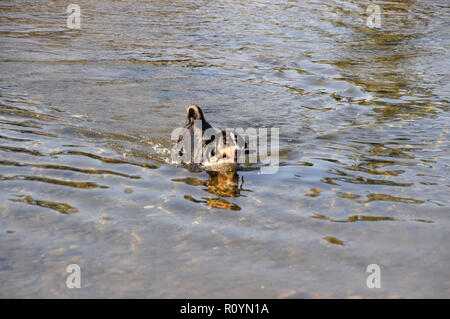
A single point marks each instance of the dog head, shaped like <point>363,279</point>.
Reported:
<point>202,144</point>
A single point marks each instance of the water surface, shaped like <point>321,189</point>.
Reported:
<point>85,173</point>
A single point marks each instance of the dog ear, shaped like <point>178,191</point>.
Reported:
<point>194,113</point>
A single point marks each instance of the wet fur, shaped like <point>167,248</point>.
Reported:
<point>194,113</point>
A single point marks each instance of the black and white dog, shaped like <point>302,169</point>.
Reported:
<point>199,143</point>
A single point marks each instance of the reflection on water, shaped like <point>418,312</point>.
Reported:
<point>85,170</point>
<point>333,240</point>
<point>220,183</point>
<point>59,207</point>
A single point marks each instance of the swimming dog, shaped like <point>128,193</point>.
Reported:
<point>204,145</point>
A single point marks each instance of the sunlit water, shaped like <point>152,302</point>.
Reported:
<point>85,123</point>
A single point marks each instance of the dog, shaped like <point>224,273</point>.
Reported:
<point>201,144</point>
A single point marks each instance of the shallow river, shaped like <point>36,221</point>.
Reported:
<point>85,172</point>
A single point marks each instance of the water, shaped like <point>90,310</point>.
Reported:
<point>85,123</point>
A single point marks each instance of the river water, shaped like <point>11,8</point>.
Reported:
<point>85,173</point>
